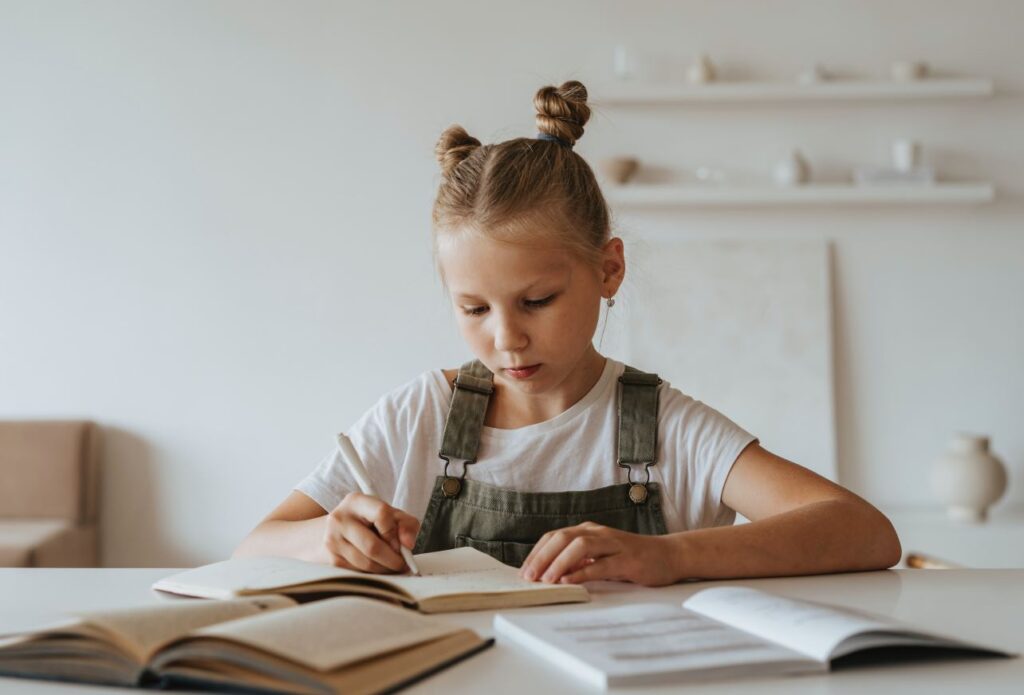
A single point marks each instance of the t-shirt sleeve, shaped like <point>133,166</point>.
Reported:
<point>700,446</point>
<point>380,438</point>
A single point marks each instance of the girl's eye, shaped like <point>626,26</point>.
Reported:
<point>474,310</point>
<point>540,302</point>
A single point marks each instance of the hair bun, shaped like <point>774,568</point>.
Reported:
<point>562,111</point>
<point>454,145</point>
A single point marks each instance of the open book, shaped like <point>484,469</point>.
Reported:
<point>346,644</point>
<point>716,633</point>
<point>462,579</point>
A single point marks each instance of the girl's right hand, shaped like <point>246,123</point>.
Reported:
<point>364,532</point>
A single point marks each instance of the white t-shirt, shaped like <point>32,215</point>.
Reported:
<point>398,440</point>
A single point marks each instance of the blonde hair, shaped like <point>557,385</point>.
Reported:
<point>525,190</point>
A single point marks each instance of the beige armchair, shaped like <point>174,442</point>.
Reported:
<point>48,494</point>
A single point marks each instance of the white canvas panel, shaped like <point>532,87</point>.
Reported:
<point>744,326</point>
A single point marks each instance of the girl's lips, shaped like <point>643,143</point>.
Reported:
<point>523,372</point>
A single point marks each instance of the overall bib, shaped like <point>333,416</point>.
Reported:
<point>505,523</point>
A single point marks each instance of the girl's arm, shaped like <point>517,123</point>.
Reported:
<point>800,523</point>
<point>295,528</point>
<point>361,533</point>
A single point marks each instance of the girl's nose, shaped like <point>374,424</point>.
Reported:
<point>509,336</point>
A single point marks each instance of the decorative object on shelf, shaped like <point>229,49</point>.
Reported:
<point>710,175</point>
<point>620,169</point>
<point>813,74</point>
<point>906,167</point>
<point>906,154</point>
<point>700,70</point>
<point>792,170</point>
<point>968,478</point>
<point>906,70</point>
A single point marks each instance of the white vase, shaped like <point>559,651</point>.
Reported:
<point>968,478</point>
<point>791,170</point>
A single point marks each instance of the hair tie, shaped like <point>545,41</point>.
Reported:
<point>554,138</point>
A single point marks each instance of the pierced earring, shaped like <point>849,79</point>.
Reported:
<point>611,302</point>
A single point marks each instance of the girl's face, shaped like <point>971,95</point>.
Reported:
<point>528,312</point>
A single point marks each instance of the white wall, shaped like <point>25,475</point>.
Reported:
<point>214,221</point>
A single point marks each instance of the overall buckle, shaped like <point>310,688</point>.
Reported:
<point>452,486</point>
<point>638,492</point>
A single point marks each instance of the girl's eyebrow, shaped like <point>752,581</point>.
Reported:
<point>463,296</point>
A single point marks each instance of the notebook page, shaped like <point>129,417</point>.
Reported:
<point>325,635</point>
<point>464,571</point>
<point>810,628</point>
<point>233,577</point>
<point>646,643</point>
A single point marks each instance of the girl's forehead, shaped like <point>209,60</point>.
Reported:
<point>480,254</point>
<point>472,264</point>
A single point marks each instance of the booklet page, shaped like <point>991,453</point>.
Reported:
<point>809,628</point>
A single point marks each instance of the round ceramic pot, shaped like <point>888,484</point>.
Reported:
<point>967,478</point>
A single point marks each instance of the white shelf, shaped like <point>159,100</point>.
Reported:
<point>640,195</point>
<point>927,88</point>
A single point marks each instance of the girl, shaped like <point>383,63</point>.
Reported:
<point>542,452</point>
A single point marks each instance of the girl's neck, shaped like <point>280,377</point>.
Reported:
<point>511,409</point>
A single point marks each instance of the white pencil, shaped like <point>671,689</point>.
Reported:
<point>359,472</point>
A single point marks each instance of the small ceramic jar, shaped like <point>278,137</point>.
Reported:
<point>792,170</point>
<point>968,478</point>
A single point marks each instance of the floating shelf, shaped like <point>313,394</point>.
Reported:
<point>829,90</point>
<point>641,195</point>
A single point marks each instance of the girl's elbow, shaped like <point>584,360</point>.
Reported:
<point>890,541</point>
<point>884,542</point>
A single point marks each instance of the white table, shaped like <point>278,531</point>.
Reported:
<point>982,605</point>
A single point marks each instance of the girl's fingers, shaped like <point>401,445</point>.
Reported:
<point>357,560</point>
<point>408,528</point>
<point>550,546</point>
<point>395,526</point>
<point>601,568</point>
<point>575,554</point>
<point>371,545</point>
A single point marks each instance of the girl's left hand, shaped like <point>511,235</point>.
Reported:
<point>591,551</point>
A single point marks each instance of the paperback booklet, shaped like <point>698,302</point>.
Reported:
<point>722,632</point>
<point>265,644</point>
<point>462,579</point>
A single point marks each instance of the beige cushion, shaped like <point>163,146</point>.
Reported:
<point>49,470</point>
<point>19,539</point>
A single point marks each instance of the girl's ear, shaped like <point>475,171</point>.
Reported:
<point>613,266</point>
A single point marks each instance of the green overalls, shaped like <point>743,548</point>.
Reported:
<point>505,523</point>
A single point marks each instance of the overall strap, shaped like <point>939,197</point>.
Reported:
<point>638,427</point>
<point>461,439</point>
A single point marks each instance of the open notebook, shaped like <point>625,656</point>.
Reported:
<point>717,633</point>
<point>270,643</point>
<point>462,579</point>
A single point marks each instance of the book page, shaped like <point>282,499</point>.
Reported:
<point>466,571</point>
<point>461,571</point>
<point>646,643</point>
<point>810,628</point>
<point>248,575</point>
<point>141,630</point>
<point>326,635</point>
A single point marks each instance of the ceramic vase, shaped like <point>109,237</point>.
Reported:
<point>620,169</point>
<point>792,170</point>
<point>967,478</point>
<point>701,70</point>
